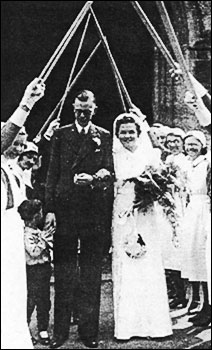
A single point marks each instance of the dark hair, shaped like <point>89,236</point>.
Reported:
<point>25,154</point>
<point>172,134</point>
<point>127,120</point>
<point>29,208</point>
<point>84,95</point>
<point>204,151</point>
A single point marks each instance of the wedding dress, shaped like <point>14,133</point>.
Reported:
<point>141,306</point>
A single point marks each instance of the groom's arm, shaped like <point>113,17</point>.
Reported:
<point>53,173</point>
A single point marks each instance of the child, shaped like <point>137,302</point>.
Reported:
<point>37,247</point>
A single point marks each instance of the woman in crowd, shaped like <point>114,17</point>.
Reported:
<point>22,167</point>
<point>172,252</point>
<point>14,329</point>
<point>197,223</point>
<point>158,133</point>
<point>140,309</point>
<point>202,110</point>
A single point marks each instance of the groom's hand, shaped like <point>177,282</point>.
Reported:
<point>83,179</point>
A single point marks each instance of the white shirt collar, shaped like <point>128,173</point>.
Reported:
<point>79,127</point>
<point>198,160</point>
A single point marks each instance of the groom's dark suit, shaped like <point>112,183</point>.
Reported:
<point>80,213</point>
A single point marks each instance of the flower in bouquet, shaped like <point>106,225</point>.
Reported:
<point>134,246</point>
<point>177,176</point>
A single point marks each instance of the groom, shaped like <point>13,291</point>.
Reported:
<point>80,172</point>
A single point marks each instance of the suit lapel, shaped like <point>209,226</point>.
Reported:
<point>73,139</point>
<point>86,146</point>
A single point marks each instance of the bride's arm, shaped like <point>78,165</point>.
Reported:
<point>146,130</point>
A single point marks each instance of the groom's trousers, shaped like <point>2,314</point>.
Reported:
<point>88,278</point>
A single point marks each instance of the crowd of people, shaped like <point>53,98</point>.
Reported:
<point>78,204</point>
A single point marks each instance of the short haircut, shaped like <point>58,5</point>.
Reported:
<point>84,95</point>
<point>29,208</point>
<point>26,154</point>
<point>172,134</point>
<point>127,120</point>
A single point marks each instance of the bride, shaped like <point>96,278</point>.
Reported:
<point>139,288</point>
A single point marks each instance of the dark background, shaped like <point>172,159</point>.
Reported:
<point>30,33</point>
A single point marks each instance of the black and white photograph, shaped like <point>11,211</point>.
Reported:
<point>105,175</point>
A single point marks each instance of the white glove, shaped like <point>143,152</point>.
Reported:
<point>55,124</point>
<point>33,93</point>
<point>177,72</point>
<point>198,107</point>
<point>37,139</point>
<point>199,88</point>
<point>138,112</point>
<point>190,100</point>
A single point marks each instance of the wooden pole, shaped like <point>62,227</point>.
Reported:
<point>112,61</point>
<point>63,44</point>
<point>158,41</point>
<point>120,94</point>
<point>176,46</point>
<point>73,67</point>
<point>51,116</point>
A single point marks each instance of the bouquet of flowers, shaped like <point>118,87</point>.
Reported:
<point>152,185</point>
<point>158,185</point>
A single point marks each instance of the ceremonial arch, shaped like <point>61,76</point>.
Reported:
<point>32,30</point>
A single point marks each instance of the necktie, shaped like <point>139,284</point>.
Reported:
<point>82,132</point>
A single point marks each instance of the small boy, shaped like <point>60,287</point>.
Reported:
<point>37,247</point>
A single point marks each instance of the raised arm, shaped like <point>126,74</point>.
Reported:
<point>33,93</point>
